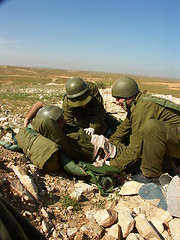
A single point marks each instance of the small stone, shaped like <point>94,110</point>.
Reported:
<point>45,226</point>
<point>71,232</point>
<point>106,217</point>
<point>70,208</point>
<point>115,231</point>
<point>45,214</point>
<point>125,220</point>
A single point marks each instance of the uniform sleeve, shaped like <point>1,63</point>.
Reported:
<point>121,132</point>
<point>68,115</point>
<point>98,113</point>
<point>131,153</point>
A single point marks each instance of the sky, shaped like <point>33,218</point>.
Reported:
<point>139,37</point>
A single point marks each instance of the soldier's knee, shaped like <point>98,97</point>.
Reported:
<point>53,163</point>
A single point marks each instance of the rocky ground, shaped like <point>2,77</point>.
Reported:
<point>58,215</point>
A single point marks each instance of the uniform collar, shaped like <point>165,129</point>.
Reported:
<point>133,104</point>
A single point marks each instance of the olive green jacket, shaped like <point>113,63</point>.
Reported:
<point>44,140</point>
<point>91,116</point>
<point>140,112</point>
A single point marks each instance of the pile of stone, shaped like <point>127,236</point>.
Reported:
<point>125,216</point>
<point>128,217</point>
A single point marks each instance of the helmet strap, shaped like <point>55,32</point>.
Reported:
<point>124,104</point>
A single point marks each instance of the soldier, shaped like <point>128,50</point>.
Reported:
<point>83,106</point>
<point>48,138</point>
<point>48,141</point>
<point>14,226</point>
<point>154,129</point>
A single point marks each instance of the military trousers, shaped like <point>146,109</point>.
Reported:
<point>161,143</point>
<point>46,143</point>
<point>43,153</point>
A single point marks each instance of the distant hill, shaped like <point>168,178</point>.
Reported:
<point>25,76</point>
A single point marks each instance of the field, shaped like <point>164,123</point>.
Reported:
<point>16,82</point>
<point>20,88</point>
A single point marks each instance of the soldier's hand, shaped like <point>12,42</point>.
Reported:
<point>89,131</point>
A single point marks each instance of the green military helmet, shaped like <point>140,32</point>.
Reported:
<point>77,92</point>
<point>125,87</point>
<point>76,87</point>
<point>50,111</point>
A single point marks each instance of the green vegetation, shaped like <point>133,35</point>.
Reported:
<point>17,96</point>
<point>100,204</point>
<point>67,201</point>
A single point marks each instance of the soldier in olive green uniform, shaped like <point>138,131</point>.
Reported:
<point>83,106</point>
<point>48,139</point>
<point>154,131</point>
<point>14,226</point>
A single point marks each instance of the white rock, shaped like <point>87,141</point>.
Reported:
<point>157,224</point>
<point>26,180</point>
<point>145,229</point>
<point>106,217</point>
<point>134,236</point>
<point>92,228</point>
<point>173,197</point>
<point>44,213</point>
<point>114,231</point>
<point>71,232</point>
<point>45,227</point>
<point>70,208</point>
<point>55,234</point>
<point>27,213</point>
<point>162,215</point>
<point>125,220</point>
<point>130,188</point>
<point>90,215</point>
<point>82,188</point>
<point>2,119</point>
<point>174,226</point>
<point>137,210</point>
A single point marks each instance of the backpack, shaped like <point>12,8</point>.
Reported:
<point>163,102</point>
